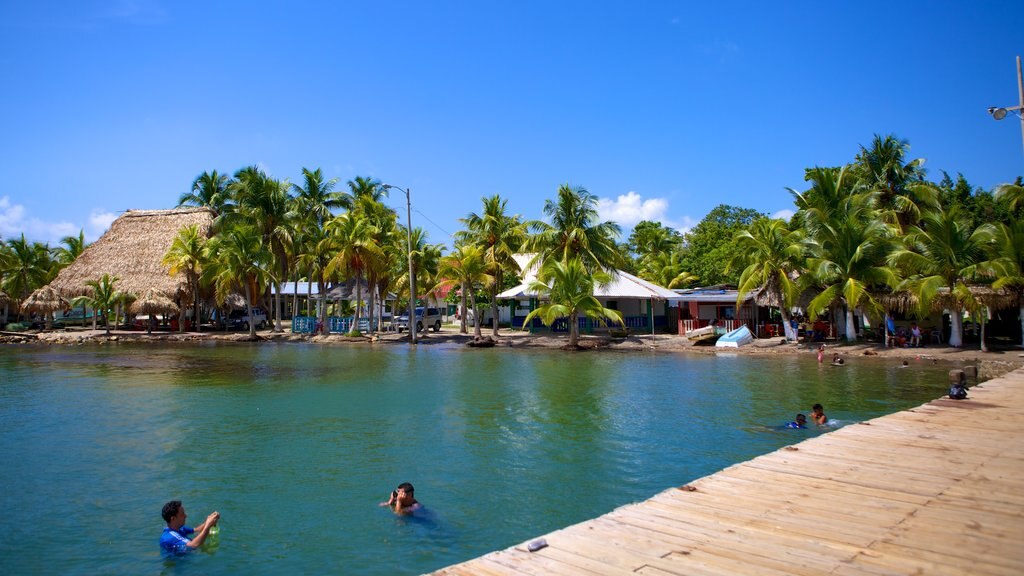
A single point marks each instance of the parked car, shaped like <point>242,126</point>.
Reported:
<point>239,319</point>
<point>425,317</point>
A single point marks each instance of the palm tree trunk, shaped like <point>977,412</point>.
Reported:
<point>956,330</point>
<point>984,314</point>
<point>248,310</point>
<point>494,309</point>
<point>476,321</point>
<point>464,330</point>
<point>309,294</point>
<point>851,330</point>
<point>277,307</point>
<point>574,333</point>
<point>787,328</point>
<point>359,304</point>
<point>321,322</point>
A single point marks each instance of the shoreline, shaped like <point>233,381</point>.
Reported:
<point>990,364</point>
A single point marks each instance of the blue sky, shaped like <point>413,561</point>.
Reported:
<point>661,109</point>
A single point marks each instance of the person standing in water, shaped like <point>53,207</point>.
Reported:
<point>402,500</point>
<point>818,414</point>
<point>175,538</point>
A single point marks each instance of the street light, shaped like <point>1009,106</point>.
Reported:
<point>412,283</point>
<point>999,112</point>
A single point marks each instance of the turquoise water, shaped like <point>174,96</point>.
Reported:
<point>296,444</point>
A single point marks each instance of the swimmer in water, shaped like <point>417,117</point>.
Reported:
<point>402,500</point>
<point>821,353</point>
<point>800,422</point>
<point>818,414</point>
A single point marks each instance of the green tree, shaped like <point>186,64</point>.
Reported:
<point>652,238</point>
<point>1005,263</point>
<point>884,169</point>
<point>71,247</point>
<point>265,205</point>
<point>27,268</point>
<point>848,260</point>
<point>103,298</point>
<point>666,269</point>
<point>425,262</point>
<point>466,267</point>
<point>769,255</point>
<point>1012,194</point>
<point>211,190</point>
<point>711,245</point>
<point>237,259</point>
<point>570,292</point>
<point>355,250</point>
<point>943,254</point>
<point>575,232</point>
<point>187,255</point>
<point>316,197</point>
<point>500,236</point>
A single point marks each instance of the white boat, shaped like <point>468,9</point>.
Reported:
<point>738,337</point>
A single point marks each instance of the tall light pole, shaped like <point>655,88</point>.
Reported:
<point>999,113</point>
<point>412,282</point>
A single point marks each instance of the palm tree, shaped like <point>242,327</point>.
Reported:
<point>238,259</point>
<point>849,259</point>
<point>363,188</point>
<point>425,261</point>
<point>666,269</point>
<point>884,168</point>
<point>211,190</point>
<point>187,254</point>
<point>570,291</point>
<point>316,197</point>
<point>820,204</point>
<point>468,268</point>
<point>265,205</point>
<point>575,232</point>
<point>1012,194</point>
<point>500,236</point>
<point>381,273</point>
<point>71,247</point>
<point>942,254</point>
<point>27,268</point>
<point>1006,261</point>
<point>770,254</point>
<point>352,237</point>
<point>104,297</point>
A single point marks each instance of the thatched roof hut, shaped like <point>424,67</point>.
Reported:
<point>45,300</point>
<point>153,302</point>
<point>132,250</point>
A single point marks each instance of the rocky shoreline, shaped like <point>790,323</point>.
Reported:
<point>990,364</point>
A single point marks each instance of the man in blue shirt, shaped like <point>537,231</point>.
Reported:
<point>801,422</point>
<point>174,539</point>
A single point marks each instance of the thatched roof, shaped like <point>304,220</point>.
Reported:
<point>45,300</point>
<point>985,295</point>
<point>4,298</point>
<point>132,250</point>
<point>153,302</point>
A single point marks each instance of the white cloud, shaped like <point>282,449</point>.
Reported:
<point>15,221</point>
<point>785,214</point>
<point>99,222</point>
<point>629,209</point>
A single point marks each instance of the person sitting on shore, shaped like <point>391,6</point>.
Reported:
<point>174,540</point>
<point>958,391</point>
<point>402,500</point>
<point>800,422</point>
<point>915,335</point>
<point>818,414</point>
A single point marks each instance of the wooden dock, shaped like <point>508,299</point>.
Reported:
<point>937,489</point>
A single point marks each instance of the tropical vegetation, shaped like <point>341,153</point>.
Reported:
<point>870,238</point>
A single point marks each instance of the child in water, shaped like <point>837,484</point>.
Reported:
<point>800,422</point>
<point>818,414</point>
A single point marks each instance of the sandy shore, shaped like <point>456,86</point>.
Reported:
<point>990,364</point>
